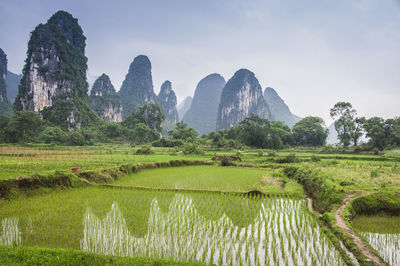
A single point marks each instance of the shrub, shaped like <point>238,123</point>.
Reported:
<point>290,158</point>
<point>315,159</point>
<point>225,161</point>
<point>388,202</point>
<point>167,143</point>
<point>192,148</point>
<point>374,173</point>
<point>145,149</point>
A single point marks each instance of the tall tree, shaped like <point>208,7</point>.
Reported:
<point>344,116</point>
<point>310,131</point>
<point>382,133</point>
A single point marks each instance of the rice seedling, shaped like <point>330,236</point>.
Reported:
<point>387,245</point>
<point>210,228</point>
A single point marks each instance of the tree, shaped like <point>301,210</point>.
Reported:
<point>261,133</point>
<point>150,114</point>
<point>344,116</point>
<point>143,134</point>
<point>382,133</point>
<point>310,131</point>
<point>182,132</point>
<point>24,126</point>
<point>254,131</point>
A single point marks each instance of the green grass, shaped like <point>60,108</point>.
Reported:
<point>382,223</point>
<point>18,161</point>
<point>44,256</point>
<point>214,178</point>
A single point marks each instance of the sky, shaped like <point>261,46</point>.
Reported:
<point>314,53</point>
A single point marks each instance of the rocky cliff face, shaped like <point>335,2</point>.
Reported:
<point>137,88</point>
<point>241,96</point>
<point>105,101</point>
<point>202,115</point>
<point>3,73</point>
<point>167,100</point>
<point>54,76</point>
<point>5,104</point>
<point>279,109</point>
<point>184,106</point>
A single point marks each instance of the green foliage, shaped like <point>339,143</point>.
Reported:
<point>192,148</point>
<point>310,131</point>
<point>150,114</point>
<point>387,202</point>
<point>145,149</point>
<point>382,133</point>
<point>143,134</point>
<point>347,125</point>
<point>182,132</point>
<point>6,107</point>
<point>23,127</point>
<point>166,142</point>
<point>58,257</point>
<point>53,135</point>
<point>261,133</point>
<point>323,193</point>
<point>226,161</point>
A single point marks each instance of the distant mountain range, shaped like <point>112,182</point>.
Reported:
<point>60,83</point>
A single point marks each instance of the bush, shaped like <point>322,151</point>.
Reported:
<point>315,159</point>
<point>167,143</point>
<point>290,158</point>
<point>192,148</point>
<point>76,139</point>
<point>374,173</point>
<point>145,149</point>
<point>388,202</point>
<point>323,193</point>
<point>225,161</point>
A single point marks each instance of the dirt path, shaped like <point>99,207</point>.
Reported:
<point>357,240</point>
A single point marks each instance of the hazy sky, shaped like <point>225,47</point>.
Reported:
<point>314,53</point>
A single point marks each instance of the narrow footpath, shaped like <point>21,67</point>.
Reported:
<point>357,240</point>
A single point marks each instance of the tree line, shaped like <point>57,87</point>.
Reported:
<point>145,126</point>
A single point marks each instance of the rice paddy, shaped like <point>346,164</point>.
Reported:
<point>383,233</point>
<point>209,228</point>
<point>199,214</point>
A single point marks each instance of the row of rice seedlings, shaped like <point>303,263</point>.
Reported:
<point>10,233</point>
<point>387,245</point>
<point>282,233</point>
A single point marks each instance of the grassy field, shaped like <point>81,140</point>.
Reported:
<point>25,161</point>
<point>212,178</point>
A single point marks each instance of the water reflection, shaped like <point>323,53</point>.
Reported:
<point>280,232</point>
<point>387,245</point>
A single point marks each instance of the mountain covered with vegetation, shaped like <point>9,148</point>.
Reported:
<point>54,76</point>
<point>5,105</point>
<point>202,115</point>
<point>279,109</point>
<point>12,81</point>
<point>184,106</point>
<point>167,100</point>
<point>241,97</point>
<point>137,88</point>
<point>105,101</point>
